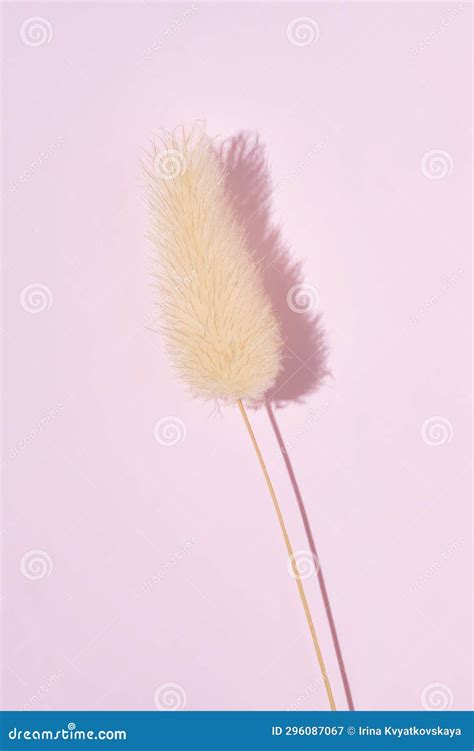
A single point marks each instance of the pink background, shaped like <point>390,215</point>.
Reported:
<point>164,564</point>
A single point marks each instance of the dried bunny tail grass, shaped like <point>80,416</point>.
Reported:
<point>222,335</point>
<point>221,332</point>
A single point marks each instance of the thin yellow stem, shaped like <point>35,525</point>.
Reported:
<point>289,548</point>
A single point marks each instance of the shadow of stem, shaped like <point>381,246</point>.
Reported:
<point>312,545</point>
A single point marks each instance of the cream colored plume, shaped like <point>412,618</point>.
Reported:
<point>220,328</point>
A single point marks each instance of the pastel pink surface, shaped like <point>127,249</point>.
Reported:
<point>123,609</point>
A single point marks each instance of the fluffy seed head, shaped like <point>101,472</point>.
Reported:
<point>221,332</point>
